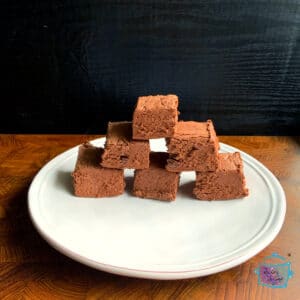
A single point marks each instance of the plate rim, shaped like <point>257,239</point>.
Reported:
<point>152,274</point>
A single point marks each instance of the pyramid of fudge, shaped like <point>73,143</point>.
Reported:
<point>192,146</point>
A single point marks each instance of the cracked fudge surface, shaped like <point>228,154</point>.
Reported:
<point>92,180</point>
<point>155,117</point>
<point>227,182</point>
<point>194,146</point>
<point>156,182</point>
<point>121,151</point>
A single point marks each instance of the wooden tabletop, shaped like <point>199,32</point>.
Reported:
<point>31,269</point>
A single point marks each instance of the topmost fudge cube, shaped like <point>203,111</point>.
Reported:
<point>155,117</point>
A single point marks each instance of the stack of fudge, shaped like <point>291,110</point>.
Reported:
<point>192,146</point>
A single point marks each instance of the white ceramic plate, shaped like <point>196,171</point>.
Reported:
<point>154,239</point>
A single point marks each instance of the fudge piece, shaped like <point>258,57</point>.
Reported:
<point>156,182</point>
<point>121,151</point>
<point>194,146</point>
<point>155,117</point>
<point>227,182</point>
<point>92,180</point>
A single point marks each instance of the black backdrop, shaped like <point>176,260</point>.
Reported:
<point>70,66</point>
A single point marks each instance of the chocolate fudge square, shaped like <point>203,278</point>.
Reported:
<point>155,117</point>
<point>194,146</point>
<point>121,151</point>
<point>227,182</point>
<point>92,180</point>
<point>156,182</point>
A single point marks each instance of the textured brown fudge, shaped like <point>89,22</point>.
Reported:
<point>155,117</point>
<point>92,180</point>
<point>194,146</point>
<point>121,151</point>
<point>156,182</point>
<point>227,182</point>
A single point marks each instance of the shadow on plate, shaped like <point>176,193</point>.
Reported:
<point>129,184</point>
<point>64,181</point>
<point>186,189</point>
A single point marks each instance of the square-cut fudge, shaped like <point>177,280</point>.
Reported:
<point>121,151</point>
<point>194,146</point>
<point>227,182</point>
<point>92,180</point>
<point>156,182</point>
<point>155,117</point>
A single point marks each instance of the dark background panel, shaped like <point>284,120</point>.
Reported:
<point>70,66</point>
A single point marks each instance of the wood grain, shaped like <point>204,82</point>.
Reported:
<point>31,269</point>
<point>70,66</point>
